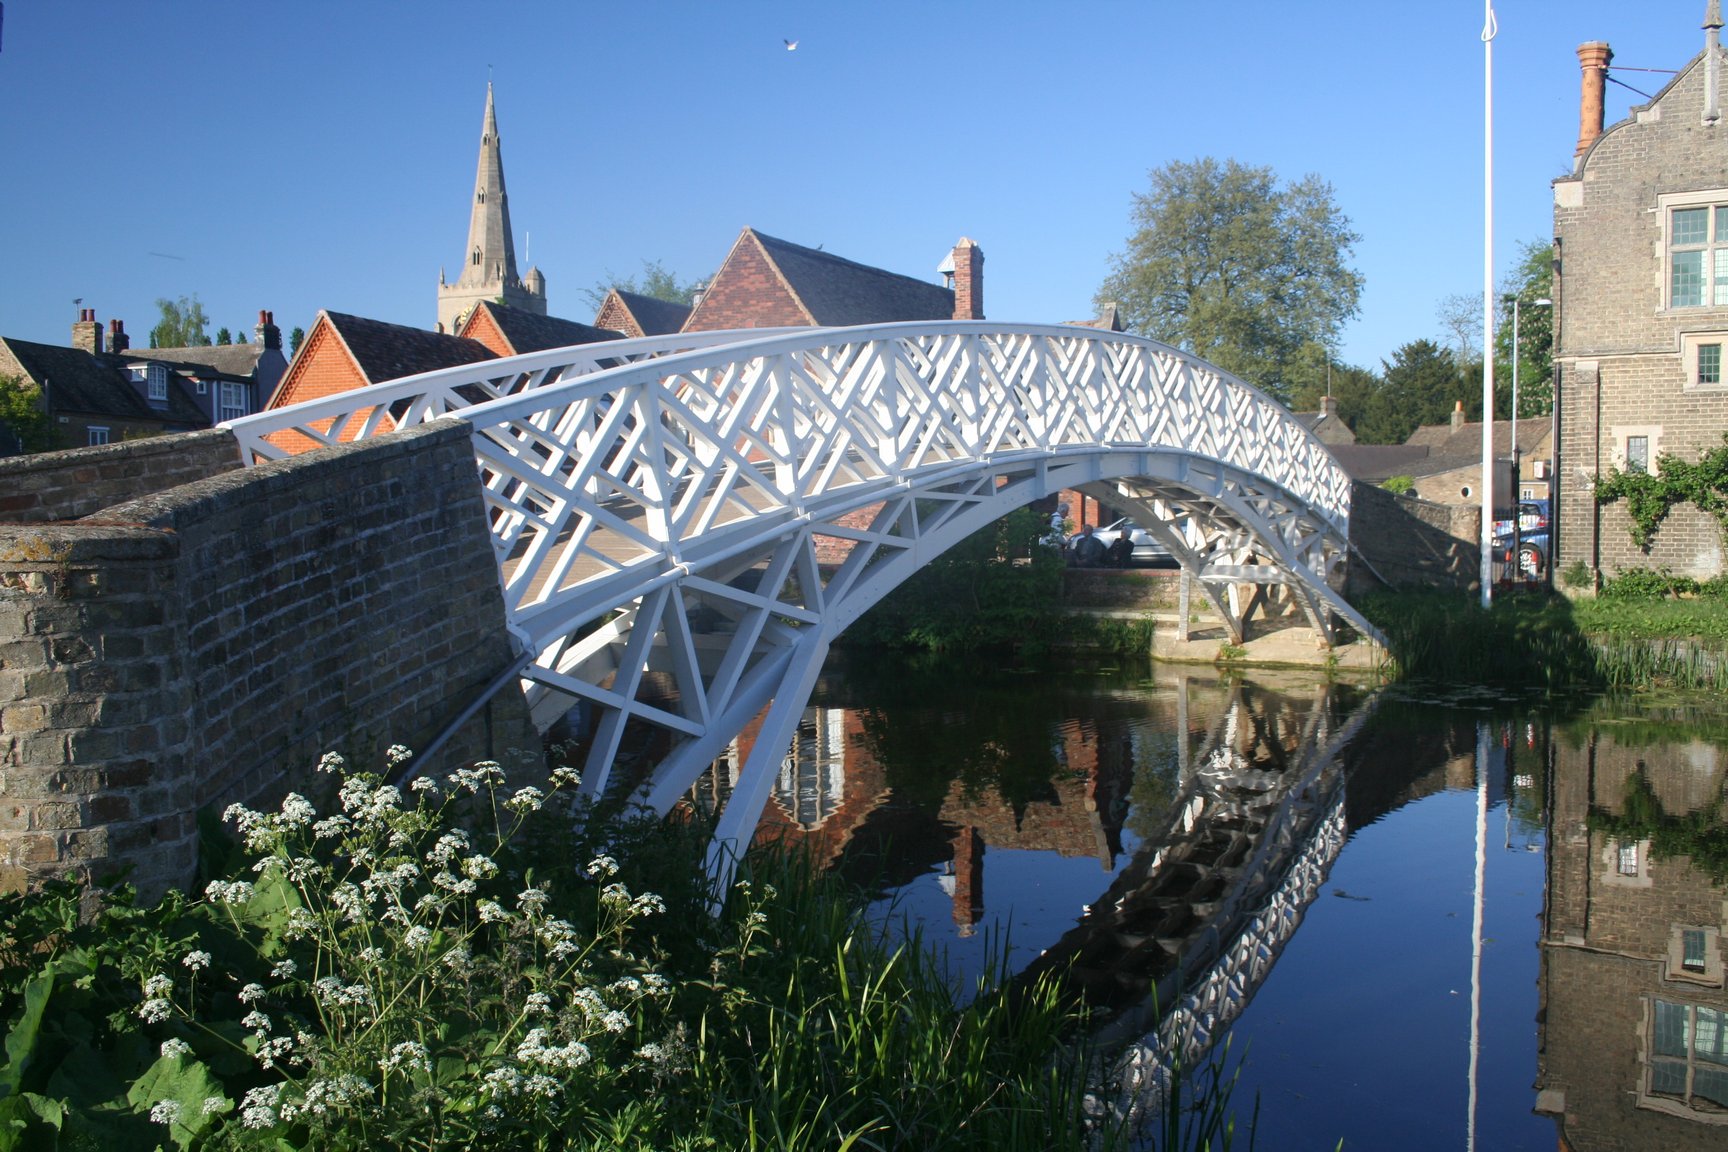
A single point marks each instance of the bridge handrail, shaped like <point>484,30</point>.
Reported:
<point>429,395</point>
<point>1328,491</point>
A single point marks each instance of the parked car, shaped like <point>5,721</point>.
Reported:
<point>1533,539</point>
<point>1146,548</point>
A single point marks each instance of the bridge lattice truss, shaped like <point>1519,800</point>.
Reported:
<point>684,524</point>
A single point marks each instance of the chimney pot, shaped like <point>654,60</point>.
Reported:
<point>1593,58</point>
<point>118,341</point>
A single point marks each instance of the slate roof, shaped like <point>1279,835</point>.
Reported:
<point>1372,463</point>
<point>838,292</point>
<point>1466,439</point>
<point>654,316</point>
<point>529,332</point>
<point>386,351</point>
<point>238,360</point>
<point>99,385</point>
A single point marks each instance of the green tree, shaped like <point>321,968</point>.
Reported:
<point>1530,280</point>
<point>1230,264</point>
<point>182,325</point>
<point>296,338</point>
<point>655,281</point>
<point>1315,375</point>
<point>1419,385</point>
<point>223,336</point>
<point>23,413</point>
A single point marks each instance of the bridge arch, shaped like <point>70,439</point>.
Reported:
<point>683,525</point>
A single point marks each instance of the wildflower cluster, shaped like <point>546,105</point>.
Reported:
<point>410,981</point>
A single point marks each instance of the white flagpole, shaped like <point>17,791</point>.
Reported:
<point>1489,29</point>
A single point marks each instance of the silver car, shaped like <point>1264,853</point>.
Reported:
<point>1147,548</point>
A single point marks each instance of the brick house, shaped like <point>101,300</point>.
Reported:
<point>344,352</point>
<point>1641,309</point>
<point>636,315</point>
<point>99,391</point>
<point>510,331</point>
<point>770,283</point>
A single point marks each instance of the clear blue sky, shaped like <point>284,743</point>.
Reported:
<point>320,153</point>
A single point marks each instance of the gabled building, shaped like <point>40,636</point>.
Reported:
<point>98,391</point>
<point>770,283</point>
<point>344,352</point>
<point>510,331</point>
<point>489,263</point>
<point>636,315</point>
<point>1641,308</point>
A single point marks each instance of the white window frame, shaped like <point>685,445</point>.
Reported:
<point>1690,342</point>
<point>156,383</point>
<point>232,409</point>
<point>1676,969</point>
<point>1612,864</point>
<point>97,434</point>
<point>1717,242</point>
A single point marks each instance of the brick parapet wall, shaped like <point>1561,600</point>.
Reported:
<point>1407,542</point>
<point>78,482</point>
<point>345,599</point>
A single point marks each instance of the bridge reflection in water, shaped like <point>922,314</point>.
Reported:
<point>1212,806</point>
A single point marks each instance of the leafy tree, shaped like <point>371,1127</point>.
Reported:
<point>1315,375</point>
<point>655,281</point>
<point>1228,263</point>
<point>223,336</point>
<point>295,339</point>
<point>1530,280</point>
<point>182,325</point>
<point>1419,385</point>
<point>24,415</point>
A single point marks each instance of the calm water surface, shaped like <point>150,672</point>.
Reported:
<point>1426,919</point>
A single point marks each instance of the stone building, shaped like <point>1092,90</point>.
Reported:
<point>1641,309</point>
<point>489,264</point>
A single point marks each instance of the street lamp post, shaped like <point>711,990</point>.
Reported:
<point>1517,528</point>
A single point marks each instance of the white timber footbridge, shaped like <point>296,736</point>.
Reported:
<point>684,524</point>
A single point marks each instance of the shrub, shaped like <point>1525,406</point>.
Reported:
<point>1647,584</point>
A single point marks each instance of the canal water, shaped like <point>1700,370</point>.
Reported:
<point>1423,918</point>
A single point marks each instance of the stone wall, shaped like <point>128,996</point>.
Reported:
<point>207,644</point>
<point>78,482</point>
<point>1405,542</point>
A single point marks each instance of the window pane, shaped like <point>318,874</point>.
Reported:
<point>1667,1078</point>
<point>1707,1042</point>
<point>1721,224</point>
<point>1628,855</point>
<point>1691,225</point>
<point>1686,288</point>
<point>1670,1037</point>
<point>1709,363</point>
<point>1710,1084</point>
<point>1637,460</point>
<point>1692,939</point>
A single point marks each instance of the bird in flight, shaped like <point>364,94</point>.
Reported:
<point>791,45</point>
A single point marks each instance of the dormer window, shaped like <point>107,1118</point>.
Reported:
<point>156,383</point>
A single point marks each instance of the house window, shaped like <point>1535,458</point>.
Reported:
<point>233,400</point>
<point>1637,453</point>
<point>1692,949</point>
<point>98,435</point>
<point>1688,1056</point>
<point>157,383</point>
<point>203,387</point>
<point>1698,256</point>
<point>1627,864</point>
<point>1709,364</point>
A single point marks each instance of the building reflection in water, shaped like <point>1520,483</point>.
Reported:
<point>1634,1026</point>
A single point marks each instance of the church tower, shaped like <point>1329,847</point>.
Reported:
<point>489,264</point>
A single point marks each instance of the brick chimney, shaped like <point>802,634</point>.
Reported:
<point>1593,59</point>
<point>87,333</point>
<point>267,333</point>
<point>968,281</point>
<point>1457,415</point>
<point>1328,406</point>
<point>118,341</point>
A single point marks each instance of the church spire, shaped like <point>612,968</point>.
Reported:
<point>489,263</point>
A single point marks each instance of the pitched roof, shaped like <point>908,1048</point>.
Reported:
<point>385,351</point>
<point>1466,439</point>
<point>99,385</point>
<point>227,359</point>
<point>836,291</point>
<point>1373,463</point>
<point>528,332</point>
<point>654,316</point>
